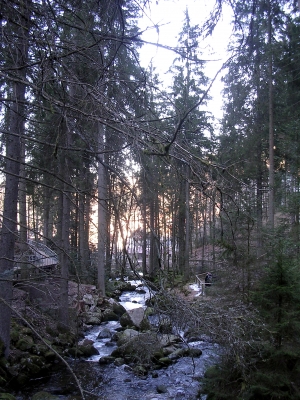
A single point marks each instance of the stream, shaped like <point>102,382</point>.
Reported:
<point>180,380</point>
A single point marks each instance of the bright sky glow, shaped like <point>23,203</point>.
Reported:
<point>169,15</point>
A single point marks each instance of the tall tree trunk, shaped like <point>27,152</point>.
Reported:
<point>187,226</point>
<point>271,121</point>
<point>22,198</point>
<point>16,128</point>
<point>102,210</point>
<point>63,311</point>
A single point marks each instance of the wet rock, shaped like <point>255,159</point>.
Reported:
<point>127,335</point>
<point>167,340</point>
<point>161,389</point>
<point>119,361</point>
<point>135,318</point>
<point>93,318</point>
<point>105,334</point>
<point>86,342</point>
<point>140,290</point>
<point>117,308</point>
<point>165,361</point>
<point>74,352</point>
<point>125,320</point>
<point>194,352</point>
<point>88,350</point>
<point>140,370</point>
<point>106,360</point>
<point>109,315</point>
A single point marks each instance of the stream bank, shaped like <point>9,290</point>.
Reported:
<point>121,377</point>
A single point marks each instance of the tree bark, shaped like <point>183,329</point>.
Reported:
<point>16,126</point>
<point>102,196</point>
<point>271,122</point>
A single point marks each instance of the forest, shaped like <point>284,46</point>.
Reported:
<point>106,172</point>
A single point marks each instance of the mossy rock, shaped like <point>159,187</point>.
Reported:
<point>25,343</point>
<point>74,352</point>
<point>118,309</point>
<point>39,349</point>
<point>3,381</point>
<point>14,335</point>
<point>44,396</point>
<point>140,370</point>
<point>157,355</point>
<point>52,331</point>
<point>109,315</point>
<point>145,325</point>
<point>22,379</point>
<point>212,372</point>
<point>66,339</point>
<point>3,363</point>
<point>125,320</point>
<point>165,361</point>
<point>88,350</point>
<point>2,348</point>
<point>7,396</point>
<point>106,360</point>
<point>193,352</point>
<point>26,331</point>
<point>149,311</point>
<point>32,364</point>
<point>119,361</point>
<point>3,374</point>
<point>50,355</point>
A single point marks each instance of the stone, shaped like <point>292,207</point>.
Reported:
<point>140,370</point>
<point>119,361</point>
<point>117,308</point>
<point>166,340</point>
<point>25,343</point>
<point>104,334</point>
<point>88,350</point>
<point>93,318</point>
<point>106,360</point>
<point>165,361</point>
<point>125,320</point>
<point>109,315</point>
<point>7,396</point>
<point>125,336</point>
<point>135,317</point>
<point>161,389</point>
<point>44,396</point>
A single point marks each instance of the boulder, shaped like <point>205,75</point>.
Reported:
<point>106,360</point>
<point>167,340</point>
<point>133,317</point>
<point>25,343</point>
<point>118,308</point>
<point>105,334</point>
<point>109,315</point>
<point>88,350</point>
<point>93,318</point>
<point>126,336</point>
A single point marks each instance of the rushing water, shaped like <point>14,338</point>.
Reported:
<point>110,382</point>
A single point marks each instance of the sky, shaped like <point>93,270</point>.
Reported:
<point>169,14</point>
